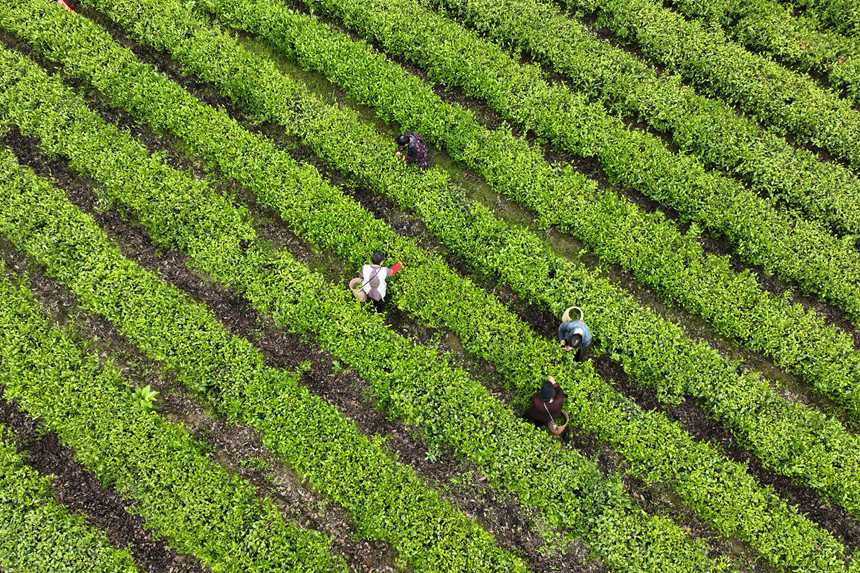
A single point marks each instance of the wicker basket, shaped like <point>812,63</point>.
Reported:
<point>355,286</point>
<point>557,429</point>
<point>565,317</point>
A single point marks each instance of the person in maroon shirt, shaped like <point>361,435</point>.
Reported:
<point>546,403</point>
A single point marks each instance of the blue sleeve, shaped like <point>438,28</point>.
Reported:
<point>565,330</point>
<point>586,339</point>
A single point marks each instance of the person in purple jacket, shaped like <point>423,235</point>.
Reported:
<point>413,150</point>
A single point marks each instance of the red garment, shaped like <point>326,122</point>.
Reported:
<point>538,412</point>
<point>394,268</point>
<point>66,6</point>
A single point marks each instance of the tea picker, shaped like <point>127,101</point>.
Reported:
<point>546,407</point>
<point>372,284</point>
<point>574,334</point>
<point>68,4</point>
<point>416,152</point>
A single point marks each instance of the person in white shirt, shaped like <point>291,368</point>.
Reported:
<point>374,277</point>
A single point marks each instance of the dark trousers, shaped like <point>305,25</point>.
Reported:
<point>378,305</point>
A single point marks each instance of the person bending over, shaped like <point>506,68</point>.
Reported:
<point>546,403</point>
<point>413,150</point>
<point>575,335</point>
<point>374,278</point>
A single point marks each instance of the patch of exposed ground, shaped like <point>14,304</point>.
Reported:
<point>514,527</point>
<point>80,491</point>
<point>591,167</point>
<point>403,231</point>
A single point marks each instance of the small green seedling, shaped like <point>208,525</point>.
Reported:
<point>145,397</point>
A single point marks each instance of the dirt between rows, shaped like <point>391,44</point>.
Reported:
<point>711,243</point>
<point>590,166</point>
<point>731,21</point>
<point>654,499</point>
<point>788,386</point>
<point>81,492</point>
<point>591,20</point>
<point>690,414</point>
<point>514,527</point>
<point>692,417</point>
<point>236,447</point>
<point>209,96</point>
<point>408,225</point>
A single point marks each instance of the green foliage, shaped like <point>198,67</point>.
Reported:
<point>778,432</point>
<point>763,89</point>
<point>765,26</point>
<point>183,496</point>
<point>145,397</point>
<point>840,15</point>
<point>707,128</point>
<point>259,464</point>
<point>659,449</point>
<point>648,245</point>
<point>410,381</point>
<point>522,262</point>
<point>39,534</point>
<point>387,500</point>
<point>798,251</point>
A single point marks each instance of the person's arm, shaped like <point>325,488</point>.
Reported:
<point>395,268</point>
